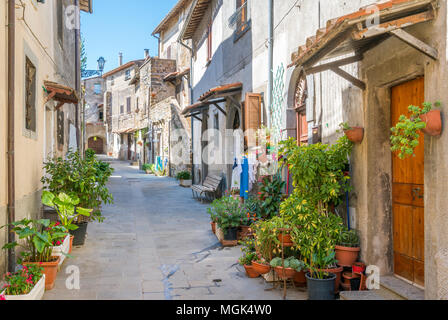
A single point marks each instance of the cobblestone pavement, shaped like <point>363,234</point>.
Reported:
<point>156,244</point>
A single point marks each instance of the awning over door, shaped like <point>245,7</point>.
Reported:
<point>60,93</point>
<point>214,97</point>
<point>356,33</point>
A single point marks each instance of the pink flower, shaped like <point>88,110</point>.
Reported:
<point>2,297</point>
<point>58,242</point>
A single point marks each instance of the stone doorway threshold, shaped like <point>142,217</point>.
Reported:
<point>392,288</point>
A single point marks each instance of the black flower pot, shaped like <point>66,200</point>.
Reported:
<point>230,234</point>
<point>321,289</point>
<point>50,214</point>
<point>79,234</point>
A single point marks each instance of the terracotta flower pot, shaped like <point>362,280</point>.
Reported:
<point>285,273</point>
<point>213,224</point>
<point>71,244</point>
<point>349,276</point>
<point>355,134</point>
<point>50,271</point>
<point>433,122</point>
<point>244,232</point>
<point>300,279</point>
<point>346,256</point>
<point>338,272</point>
<point>251,273</point>
<point>261,268</point>
<point>285,239</point>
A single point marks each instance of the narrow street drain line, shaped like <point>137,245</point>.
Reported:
<point>168,271</point>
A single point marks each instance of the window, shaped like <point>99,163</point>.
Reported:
<point>30,98</point>
<point>127,74</point>
<point>112,80</point>
<point>168,52</point>
<point>60,21</point>
<point>60,128</point>
<point>121,109</point>
<point>240,19</point>
<point>97,88</point>
<point>128,105</point>
<point>210,42</point>
<point>109,99</point>
<point>137,106</point>
<point>101,116</point>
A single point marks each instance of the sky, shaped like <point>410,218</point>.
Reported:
<point>122,26</point>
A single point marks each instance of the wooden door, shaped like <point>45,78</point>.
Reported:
<point>302,127</point>
<point>408,192</point>
<point>96,144</point>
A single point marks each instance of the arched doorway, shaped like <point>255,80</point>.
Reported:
<point>96,144</point>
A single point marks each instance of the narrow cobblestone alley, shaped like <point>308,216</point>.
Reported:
<point>156,244</point>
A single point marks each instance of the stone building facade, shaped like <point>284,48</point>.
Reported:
<point>95,131</point>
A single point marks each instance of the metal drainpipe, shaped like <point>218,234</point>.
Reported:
<point>11,131</point>
<point>191,102</point>
<point>271,60</point>
<point>77,82</point>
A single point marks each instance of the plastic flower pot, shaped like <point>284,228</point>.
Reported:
<point>355,134</point>
<point>346,256</point>
<point>250,272</point>
<point>349,276</point>
<point>261,268</point>
<point>321,289</point>
<point>79,234</point>
<point>62,249</point>
<point>358,267</point>
<point>35,294</point>
<point>433,122</point>
<point>50,271</point>
<point>338,273</point>
<point>71,244</point>
<point>230,234</point>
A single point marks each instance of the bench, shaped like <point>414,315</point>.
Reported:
<point>209,188</point>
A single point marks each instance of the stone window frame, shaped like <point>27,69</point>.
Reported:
<point>29,54</point>
<point>242,29</point>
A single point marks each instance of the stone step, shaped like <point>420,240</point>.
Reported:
<point>392,288</point>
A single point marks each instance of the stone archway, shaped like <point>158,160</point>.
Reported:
<point>96,144</point>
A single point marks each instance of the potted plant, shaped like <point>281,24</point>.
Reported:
<point>320,282</point>
<point>287,268</point>
<point>405,134</point>
<point>61,245</point>
<point>283,230</point>
<point>249,255</point>
<point>37,242</point>
<point>184,178</point>
<point>68,212</point>
<point>147,168</point>
<point>354,134</point>
<point>261,266</point>
<point>250,215</point>
<point>271,194</point>
<point>348,248</point>
<point>26,284</point>
<point>228,214</point>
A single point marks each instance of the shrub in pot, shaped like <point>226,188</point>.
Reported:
<point>271,195</point>
<point>26,284</point>
<point>354,134</point>
<point>249,255</point>
<point>228,214</point>
<point>68,213</point>
<point>347,250</point>
<point>184,178</point>
<point>321,282</point>
<point>147,168</point>
<point>37,242</point>
<point>287,268</point>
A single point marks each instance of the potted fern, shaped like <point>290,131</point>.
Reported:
<point>406,133</point>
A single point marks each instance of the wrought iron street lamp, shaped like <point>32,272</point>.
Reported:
<point>89,73</point>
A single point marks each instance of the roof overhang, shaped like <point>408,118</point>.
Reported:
<point>351,34</point>
<point>60,93</point>
<point>86,6</point>
<point>194,18</point>
<point>214,97</point>
<point>175,11</point>
<point>176,75</point>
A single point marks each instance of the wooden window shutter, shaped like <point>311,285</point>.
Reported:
<point>252,117</point>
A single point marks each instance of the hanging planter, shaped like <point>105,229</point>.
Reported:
<point>433,120</point>
<point>355,134</point>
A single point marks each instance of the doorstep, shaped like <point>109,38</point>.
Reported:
<point>392,288</point>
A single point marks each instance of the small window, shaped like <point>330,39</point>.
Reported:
<point>127,75</point>
<point>101,116</point>
<point>168,52</point>
<point>137,105</point>
<point>121,109</point>
<point>30,98</point>
<point>97,88</point>
<point>112,80</point>
<point>210,42</point>
<point>128,105</point>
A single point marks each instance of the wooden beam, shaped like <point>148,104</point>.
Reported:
<point>220,109</point>
<point>49,97</point>
<point>334,64</point>
<point>416,43</point>
<point>347,76</point>
<point>386,27</point>
<point>235,103</point>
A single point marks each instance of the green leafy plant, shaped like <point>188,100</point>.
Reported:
<point>320,262</point>
<point>85,179</point>
<point>266,240</point>
<point>271,192</point>
<point>66,207</point>
<point>251,210</point>
<point>183,175</point>
<point>405,134</point>
<point>349,239</point>
<point>247,258</point>
<point>22,281</point>
<point>291,262</point>
<point>227,212</point>
<point>147,167</point>
<point>37,239</point>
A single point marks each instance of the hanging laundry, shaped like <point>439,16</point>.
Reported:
<point>236,175</point>
<point>244,184</point>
